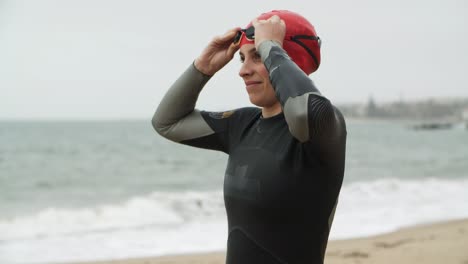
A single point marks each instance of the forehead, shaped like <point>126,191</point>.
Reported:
<point>247,49</point>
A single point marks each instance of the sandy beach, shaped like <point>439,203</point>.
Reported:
<point>445,242</point>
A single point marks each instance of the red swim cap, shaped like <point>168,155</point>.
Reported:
<point>307,57</point>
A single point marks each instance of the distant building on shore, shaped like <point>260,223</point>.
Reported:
<point>465,114</point>
<point>465,117</point>
<point>439,110</point>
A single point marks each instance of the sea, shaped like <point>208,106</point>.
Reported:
<point>95,190</point>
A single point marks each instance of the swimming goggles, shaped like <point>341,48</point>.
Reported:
<point>248,32</point>
<point>250,35</point>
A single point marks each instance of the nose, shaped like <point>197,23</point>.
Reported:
<point>246,68</point>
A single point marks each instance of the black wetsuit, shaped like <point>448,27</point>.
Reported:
<point>284,173</point>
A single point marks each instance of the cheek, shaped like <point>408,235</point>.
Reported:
<point>267,87</point>
<point>270,95</point>
<point>262,71</point>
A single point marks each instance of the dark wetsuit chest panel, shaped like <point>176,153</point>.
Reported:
<point>257,169</point>
<point>270,198</point>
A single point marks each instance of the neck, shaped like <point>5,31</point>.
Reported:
<point>271,110</point>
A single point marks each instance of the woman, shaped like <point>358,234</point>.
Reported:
<point>286,157</point>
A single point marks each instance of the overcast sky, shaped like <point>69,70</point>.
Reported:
<point>93,59</point>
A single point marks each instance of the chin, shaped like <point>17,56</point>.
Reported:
<point>256,101</point>
<point>260,103</point>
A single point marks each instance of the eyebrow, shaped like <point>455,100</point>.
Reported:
<point>252,50</point>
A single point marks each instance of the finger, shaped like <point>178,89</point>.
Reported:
<point>230,34</point>
<point>222,40</point>
<point>282,22</point>
<point>255,22</point>
<point>274,19</point>
<point>259,22</point>
<point>232,49</point>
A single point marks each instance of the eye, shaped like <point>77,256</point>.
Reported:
<point>256,57</point>
<point>241,58</point>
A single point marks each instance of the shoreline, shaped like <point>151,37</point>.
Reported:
<point>439,242</point>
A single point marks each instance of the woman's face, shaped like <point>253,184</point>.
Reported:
<point>256,78</point>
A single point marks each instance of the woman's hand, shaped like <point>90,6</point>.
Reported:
<point>273,28</point>
<point>218,53</point>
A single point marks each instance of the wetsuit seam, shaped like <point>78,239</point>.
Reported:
<point>258,244</point>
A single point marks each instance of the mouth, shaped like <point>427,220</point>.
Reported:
<point>251,84</point>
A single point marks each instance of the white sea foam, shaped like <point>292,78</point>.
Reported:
<point>160,210</point>
<point>165,223</point>
<point>385,205</point>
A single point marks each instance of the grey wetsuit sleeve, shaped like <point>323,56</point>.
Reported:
<point>176,118</point>
<point>310,116</point>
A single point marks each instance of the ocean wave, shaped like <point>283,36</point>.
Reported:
<point>394,201</point>
<point>159,209</point>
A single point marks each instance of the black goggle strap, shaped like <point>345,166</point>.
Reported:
<point>298,38</point>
